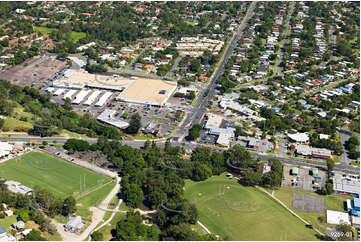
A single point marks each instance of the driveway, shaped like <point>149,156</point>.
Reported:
<point>98,215</point>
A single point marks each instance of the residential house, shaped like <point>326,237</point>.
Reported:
<point>18,225</point>
<point>74,224</point>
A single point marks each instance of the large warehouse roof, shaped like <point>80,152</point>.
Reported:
<point>82,78</point>
<point>144,91</point>
<point>148,91</point>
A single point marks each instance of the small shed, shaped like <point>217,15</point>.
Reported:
<point>74,224</point>
<point>2,231</point>
<point>25,232</point>
<point>294,171</point>
<point>9,213</point>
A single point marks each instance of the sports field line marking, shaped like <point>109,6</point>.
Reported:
<point>293,213</point>
<point>92,190</point>
<point>204,227</point>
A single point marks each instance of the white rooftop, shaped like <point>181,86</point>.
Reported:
<point>107,116</point>
<point>299,137</point>
<point>214,121</point>
<point>336,217</point>
<point>346,185</point>
<point>6,146</point>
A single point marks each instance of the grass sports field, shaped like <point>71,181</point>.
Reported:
<point>61,177</point>
<point>236,212</point>
<point>75,36</point>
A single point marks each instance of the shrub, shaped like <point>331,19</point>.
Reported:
<point>6,128</point>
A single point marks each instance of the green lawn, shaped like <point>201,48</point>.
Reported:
<point>356,163</point>
<point>75,36</point>
<point>68,133</point>
<point>43,30</point>
<point>41,169</point>
<point>236,212</point>
<point>332,202</point>
<point>106,230</point>
<point>6,222</point>
<point>12,123</point>
<point>92,200</point>
<point>193,23</point>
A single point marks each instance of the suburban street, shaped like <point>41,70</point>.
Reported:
<point>332,42</point>
<point>321,89</point>
<point>130,66</point>
<point>176,62</point>
<point>285,36</point>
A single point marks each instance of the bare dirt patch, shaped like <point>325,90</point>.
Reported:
<point>36,69</point>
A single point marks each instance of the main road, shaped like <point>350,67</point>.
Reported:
<point>201,104</point>
<point>191,146</point>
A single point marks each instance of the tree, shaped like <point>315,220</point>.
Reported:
<point>251,178</point>
<point>23,215</point>
<point>153,233</point>
<point>195,65</point>
<point>351,143</point>
<point>346,232</point>
<point>76,145</point>
<point>2,122</point>
<point>195,132</point>
<point>134,124</point>
<point>34,235</point>
<point>96,68</point>
<point>274,177</point>
<point>201,172</point>
<point>132,228</point>
<point>354,154</point>
<point>178,115</point>
<point>133,195</point>
<point>239,158</point>
<point>330,165</point>
<point>329,188</point>
<point>69,206</point>
<point>267,180</point>
<point>62,55</point>
<point>97,236</point>
<point>181,232</point>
